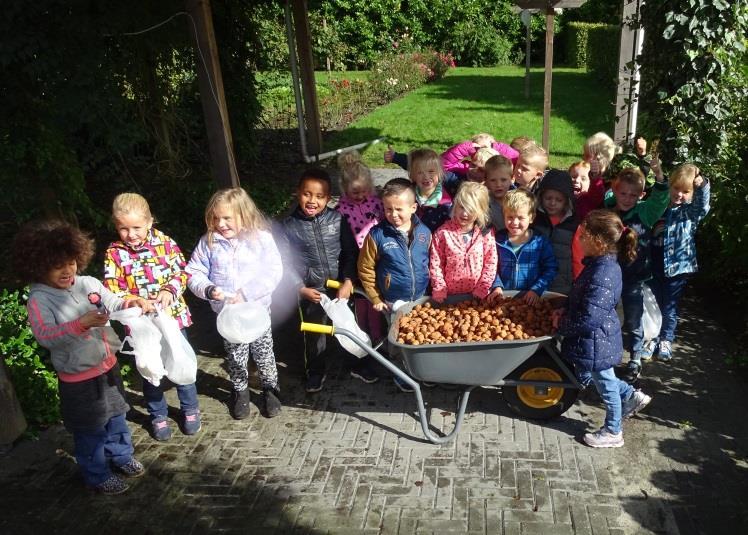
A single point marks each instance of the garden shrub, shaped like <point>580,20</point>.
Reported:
<point>30,369</point>
<point>576,35</point>
<point>473,46</point>
<point>603,45</point>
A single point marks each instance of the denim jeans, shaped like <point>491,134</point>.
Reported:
<point>668,291</point>
<point>613,392</point>
<point>94,450</point>
<point>632,299</point>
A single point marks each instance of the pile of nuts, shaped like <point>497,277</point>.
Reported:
<point>475,321</point>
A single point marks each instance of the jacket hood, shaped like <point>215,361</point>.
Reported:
<point>558,180</point>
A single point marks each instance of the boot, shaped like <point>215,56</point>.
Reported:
<point>240,404</point>
<point>272,403</point>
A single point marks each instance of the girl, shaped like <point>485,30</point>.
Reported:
<point>599,151</point>
<point>147,263</point>
<point>434,203</point>
<point>236,261</point>
<point>590,327</point>
<point>362,209</point>
<point>463,250</point>
<point>82,345</point>
<point>457,158</point>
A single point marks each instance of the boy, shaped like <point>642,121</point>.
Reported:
<point>530,167</point>
<point>526,260</point>
<point>639,216</point>
<point>556,221</point>
<point>324,249</point>
<point>394,261</point>
<point>498,181</point>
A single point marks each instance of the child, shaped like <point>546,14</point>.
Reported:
<point>237,260</point>
<point>640,216</point>
<point>555,219</point>
<point>590,327</point>
<point>325,249</point>
<point>519,143</point>
<point>588,195</point>
<point>526,260</point>
<point>476,171</point>
<point>599,151</point>
<point>674,247</point>
<point>434,203</point>
<point>498,181</point>
<point>394,261</point>
<point>530,167</point>
<point>635,155</point>
<point>149,264</point>
<point>463,250</point>
<point>361,209</point>
<point>82,347</point>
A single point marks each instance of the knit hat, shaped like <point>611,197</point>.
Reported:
<point>558,180</point>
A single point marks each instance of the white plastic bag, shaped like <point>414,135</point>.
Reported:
<point>242,323</point>
<point>342,317</point>
<point>145,340</point>
<point>652,318</point>
<point>176,352</point>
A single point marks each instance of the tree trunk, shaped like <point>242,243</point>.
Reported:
<point>12,420</point>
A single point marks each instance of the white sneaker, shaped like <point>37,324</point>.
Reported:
<point>635,403</point>
<point>648,350</point>
<point>604,439</point>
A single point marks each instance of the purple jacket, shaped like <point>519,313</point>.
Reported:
<point>250,265</point>
<point>590,327</point>
<point>453,158</point>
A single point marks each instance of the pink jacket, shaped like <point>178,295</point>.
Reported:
<point>457,267</point>
<point>361,216</point>
<point>453,158</point>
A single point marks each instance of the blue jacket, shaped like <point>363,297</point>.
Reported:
<point>674,241</point>
<point>389,268</point>
<point>533,267</point>
<point>590,327</point>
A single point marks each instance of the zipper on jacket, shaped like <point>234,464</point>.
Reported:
<point>410,264</point>
<point>321,248</point>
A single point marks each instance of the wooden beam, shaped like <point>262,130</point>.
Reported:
<point>549,16</point>
<point>220,142</point>
<point>308,83</point>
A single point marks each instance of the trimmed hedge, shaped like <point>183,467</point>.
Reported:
<point>577,36</point>
<point>603,44</point>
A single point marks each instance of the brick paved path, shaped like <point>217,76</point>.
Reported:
<point>352,460</point>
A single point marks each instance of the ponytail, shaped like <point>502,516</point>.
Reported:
<point>627,246</point>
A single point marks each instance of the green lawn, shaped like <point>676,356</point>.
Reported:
<point>472,100</point>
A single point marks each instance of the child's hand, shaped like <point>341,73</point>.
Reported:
<point>345,290</point>
<point>144,304</point>
<point>531,297</point>
<point>656,168</point>
<point>495,295</point>
<point>594,167</point>
<point>94,318</point>
<point>165,298</point>
<point>389,154</point>
<point>556,316</point>
<point>380,307</point>
<point>438,298</point>
<point>310,294</point>
<point>698,180</point>
<point>216,294</point>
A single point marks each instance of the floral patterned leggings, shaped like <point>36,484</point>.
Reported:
<point>237,356</point>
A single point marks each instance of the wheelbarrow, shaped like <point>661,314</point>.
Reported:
<point>535,382</point>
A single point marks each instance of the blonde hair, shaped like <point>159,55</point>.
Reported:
<point>130,203</point>
<point>535,155</point>
<point>517,199</point>
<point>498,162</point>
<point>631,176</point>
<point>244,209</point>
<point>520,142</point>
<point>473,197</point>
<point>683,176</point>
<point>483,139</point>
<point>610,236</point>
<point>482,155</point>
<point>420,157</point>
<point>353,170</point>
<point>581,163</point>
<point>602,148</point>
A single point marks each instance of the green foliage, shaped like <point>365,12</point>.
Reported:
<point>30,371</point>
<point>603,44</point>
<point>605,11</point>
<point>576,39</point>
<point>694,96</point>
<point>473,46</point>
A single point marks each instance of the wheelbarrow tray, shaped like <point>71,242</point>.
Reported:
<point>463,363</point>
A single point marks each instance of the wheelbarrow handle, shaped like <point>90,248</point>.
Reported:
<point>317,328</point>
<point>333,284</point>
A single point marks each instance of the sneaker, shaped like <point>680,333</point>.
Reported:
<point>604,439</point>
<point>631,372</point>
<point>314,383</point>
<point>635,403</point>
<point>132,468</point>
<point>160,429</point>
<point>665,350</point>
<point>272,403</point>
<point>365,374</point>
<point>402,385</point>
<point>112,486</point>
<point>647,351</point>
<point>192,423</point>
<point>240,404</point>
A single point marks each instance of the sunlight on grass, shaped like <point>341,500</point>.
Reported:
<point>468,101</point>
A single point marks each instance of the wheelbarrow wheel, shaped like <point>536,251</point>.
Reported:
<point>535,402</point>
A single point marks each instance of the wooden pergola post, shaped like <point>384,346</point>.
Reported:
<point>308,83</point>
<point>215,112</point>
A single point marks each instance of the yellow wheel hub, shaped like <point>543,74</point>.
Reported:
<point>540,397</point>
